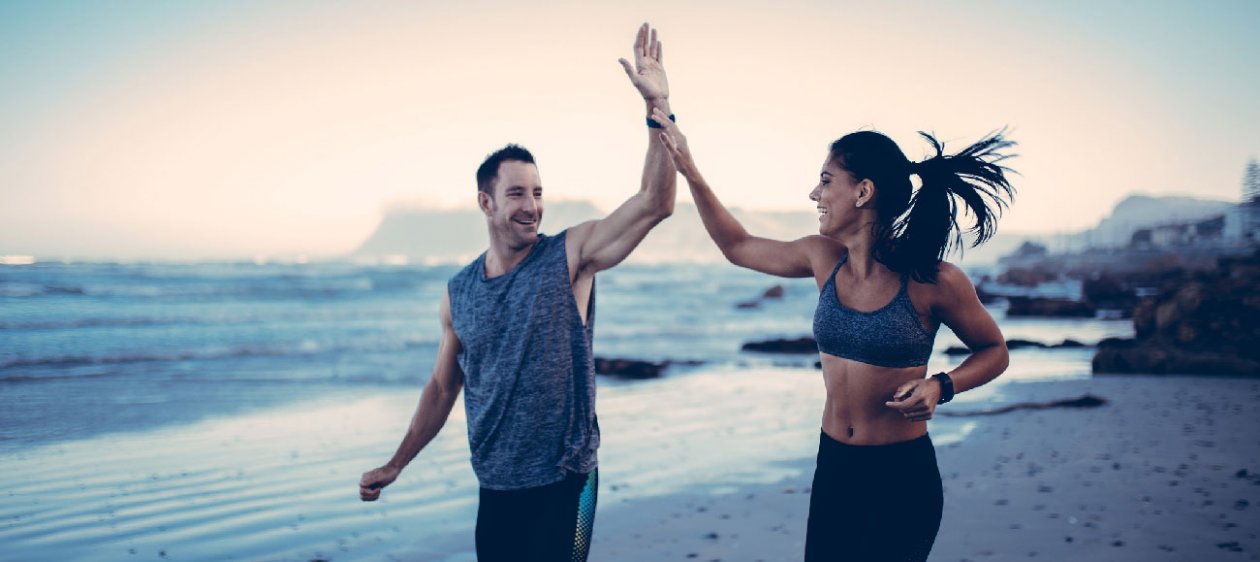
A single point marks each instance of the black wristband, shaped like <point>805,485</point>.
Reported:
<point>652,124</point>
<point>947,387</point>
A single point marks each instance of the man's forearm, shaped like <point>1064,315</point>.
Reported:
<point>660,179</point>
<point>431,414</point>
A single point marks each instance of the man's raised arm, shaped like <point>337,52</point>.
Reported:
<point>600,244</point>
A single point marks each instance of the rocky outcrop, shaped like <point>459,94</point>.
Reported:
<point>1039,306</point>
<point>629,368</point>
<point>1208,323</point>
<point>1110,293</point>
<point>1027,276</point>
<point>793,346</point>
<point>775,292</point>
<point>637,368</point>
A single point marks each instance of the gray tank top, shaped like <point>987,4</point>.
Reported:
<point>529,374</point>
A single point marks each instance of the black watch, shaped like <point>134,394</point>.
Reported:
<point>947,387</point>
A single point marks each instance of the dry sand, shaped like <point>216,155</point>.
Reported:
<point>1168,470</point>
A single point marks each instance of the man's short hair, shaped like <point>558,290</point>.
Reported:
<point>489,169</point>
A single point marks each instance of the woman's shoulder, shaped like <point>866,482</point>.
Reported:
<point>951,283</point>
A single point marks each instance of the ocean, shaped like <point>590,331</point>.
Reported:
<point>162,410</point>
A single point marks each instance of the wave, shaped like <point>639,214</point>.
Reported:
<point>97,323</point>
<point>305,348</point>
<point>231,281</point>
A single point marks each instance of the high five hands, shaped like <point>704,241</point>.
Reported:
<point>647,74</point>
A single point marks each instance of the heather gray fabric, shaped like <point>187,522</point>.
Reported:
<point>529,375</point>
<point>892,336</point>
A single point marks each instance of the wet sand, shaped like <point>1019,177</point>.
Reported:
<point>702,466</point>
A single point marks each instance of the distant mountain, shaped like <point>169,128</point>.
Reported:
<point>444,236</point>
<point>460,235</point>
<point>1137,212</point>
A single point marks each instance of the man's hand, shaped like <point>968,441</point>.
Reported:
<point>373,481</point>
<point>647,74</point>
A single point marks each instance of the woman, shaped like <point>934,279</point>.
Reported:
<point>884,291</point>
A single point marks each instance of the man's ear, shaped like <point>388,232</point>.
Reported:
<point>485,202</point>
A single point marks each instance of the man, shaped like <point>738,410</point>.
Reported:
<point>517,327</point>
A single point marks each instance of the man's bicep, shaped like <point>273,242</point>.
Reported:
<point>605,242</point>
<point>446,370</point>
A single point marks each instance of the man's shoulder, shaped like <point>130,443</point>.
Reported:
<point>469,270</point>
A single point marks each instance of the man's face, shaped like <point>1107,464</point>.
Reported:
<point>515,210</point>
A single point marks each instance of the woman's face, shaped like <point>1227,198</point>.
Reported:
<point>838,198</point>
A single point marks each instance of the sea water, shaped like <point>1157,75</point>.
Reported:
<point>224,411</point>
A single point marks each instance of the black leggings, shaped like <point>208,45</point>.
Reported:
<point>874,502</point>
<point>551,523</point>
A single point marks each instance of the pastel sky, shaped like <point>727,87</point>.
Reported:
<point>237,128</point>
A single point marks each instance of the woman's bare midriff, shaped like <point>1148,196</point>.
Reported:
<point>855,412</point>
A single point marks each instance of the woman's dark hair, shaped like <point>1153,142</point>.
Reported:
<point>914,231</point>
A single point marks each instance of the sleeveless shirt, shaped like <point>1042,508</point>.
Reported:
<point>529,372</point>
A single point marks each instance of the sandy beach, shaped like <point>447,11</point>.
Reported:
<point>1166,471</point>
<point>712,465</point>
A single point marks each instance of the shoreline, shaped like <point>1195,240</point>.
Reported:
<point>712,466</point>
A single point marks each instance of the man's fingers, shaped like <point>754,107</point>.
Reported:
<point>625,65</point>
<point>640,41</point>
<point>660,50</point>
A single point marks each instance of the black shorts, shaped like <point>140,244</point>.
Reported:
<point>551,523</point>
<point>874,502</point>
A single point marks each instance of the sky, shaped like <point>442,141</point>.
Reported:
<point>227,129</point>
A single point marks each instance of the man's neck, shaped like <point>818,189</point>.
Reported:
<point>500,258</point>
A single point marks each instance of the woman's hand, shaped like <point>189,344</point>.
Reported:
<point>916,400</point>
<point>676,143</point>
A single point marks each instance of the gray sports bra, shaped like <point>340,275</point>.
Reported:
<point>891,336</point>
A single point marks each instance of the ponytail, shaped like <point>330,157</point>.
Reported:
<point>914,231</point>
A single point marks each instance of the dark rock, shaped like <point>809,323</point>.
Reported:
<point>1039,306</point>
<point>1069,344</point>
<point>1027,276</point>
<point>1117,343</point>
<point>775,292</point>
<point>1157,359</point>
<point>629,368</point>
<point>748,304</point>
<point>954,350</point>
<point>1231,546</point>
<point>986,297</point>
<point>1020,344</point>
<point>1106,291</point>
<point>798,345</point>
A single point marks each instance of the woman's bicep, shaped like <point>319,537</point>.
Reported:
<point>795,258</point>
<point>960,309</point>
